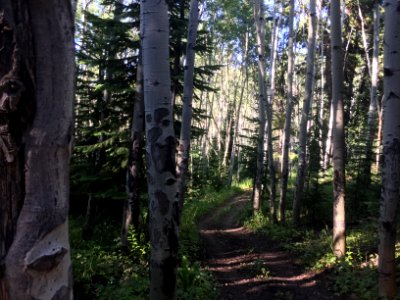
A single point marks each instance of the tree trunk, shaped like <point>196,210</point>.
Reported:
<point>328,149</point>
<point>302,154</point>
<point>237,118</point>
<point>288,116</point>
<point>391,152</point>
<point>339,226</point>
<point>37,86</point>
<point>372,111</point>
<point>379,141</point>
<point>132,203</point>
<point>160,150</point>
<point>231,121</point>
<point>271,99</point>
<point>321,104</point>
<point>260,34</point>
<point>184,141</point>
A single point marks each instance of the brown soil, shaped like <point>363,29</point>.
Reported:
<point>250,266</point>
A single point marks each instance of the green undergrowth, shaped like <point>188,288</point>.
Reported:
<point>103,270</point>
<point>355,275</point>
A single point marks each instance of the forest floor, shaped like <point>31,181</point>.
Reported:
<point>248,266</point>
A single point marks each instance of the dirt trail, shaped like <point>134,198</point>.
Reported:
<point>249,266</point>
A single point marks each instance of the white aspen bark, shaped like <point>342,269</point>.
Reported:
<point>288,115</point>
<point>364,39</point>
<point>36,264</point>
<point>184,141</point>
<point>391,153</point>
<point>379,141</point>
<point>372,111</point>
<point>160,150</point>
<point>228,136</point>
<point>321,113</point>
<point>339,225</point>
<point>328,149</point>
<point>237,117</point>
<point>312,29</point>
<point>271,99</point>
<point>260,35</point>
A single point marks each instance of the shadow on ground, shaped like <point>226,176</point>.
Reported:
<point>250,266</point>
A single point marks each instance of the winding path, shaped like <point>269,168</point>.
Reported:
<point>249,266</point>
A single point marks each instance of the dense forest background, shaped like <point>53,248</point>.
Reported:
<point>267,83</point>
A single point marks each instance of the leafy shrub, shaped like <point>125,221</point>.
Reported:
<point>195,283</point>
<point>102,270</point>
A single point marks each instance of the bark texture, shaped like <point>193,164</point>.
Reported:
<point>391,152</point>
<point>302,154</point>
<point>37,88</point>
<point>160,150</point>
<point>339,225</point>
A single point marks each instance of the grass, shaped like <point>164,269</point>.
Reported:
<point>356,274</point>
<point>103,270</point>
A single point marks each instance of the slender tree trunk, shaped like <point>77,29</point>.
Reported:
<point>184,141</point>
<point>328,149</point>
<point>288,116</point>
<point>87,228</point>
<point>237,118</point>
<point>321,112</point>
<point>271,99</point>
<point>312,29</point>
<point>37,88</point>
<point>364,38</point>
<point>339,225</point>
<point>160,150</point>
<point>260,34</point>
<point>132,203</point>
<point>228,135</point>
<point>372,111</point>
<point>391,153</point>
<point>379,141</point>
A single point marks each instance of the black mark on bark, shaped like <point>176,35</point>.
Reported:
<point>164,156</point>
<point>162,201</point>
<point>160,113</point>
<point>387,72</point>
<point>153,134</point>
